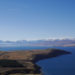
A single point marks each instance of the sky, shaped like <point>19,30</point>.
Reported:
<point>37,19</point>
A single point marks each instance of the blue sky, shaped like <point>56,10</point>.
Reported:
<point>37,19</point>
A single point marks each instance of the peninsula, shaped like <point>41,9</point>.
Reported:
<point>23,62</point>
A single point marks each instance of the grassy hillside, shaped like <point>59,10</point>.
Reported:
<point>24,62</point>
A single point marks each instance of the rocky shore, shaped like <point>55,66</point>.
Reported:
<point>24,62</point>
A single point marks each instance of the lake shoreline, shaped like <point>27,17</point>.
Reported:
<point>25,61</point>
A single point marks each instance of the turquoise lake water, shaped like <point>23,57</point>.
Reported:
<point>62,65</point>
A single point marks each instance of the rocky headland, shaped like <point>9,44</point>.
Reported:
<point>24,62</point>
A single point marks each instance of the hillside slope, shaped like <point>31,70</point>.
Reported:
<point>24,62</point>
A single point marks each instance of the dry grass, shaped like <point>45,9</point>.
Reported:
<point>21,62</point>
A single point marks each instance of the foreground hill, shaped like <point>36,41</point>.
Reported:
<point>24,62</point>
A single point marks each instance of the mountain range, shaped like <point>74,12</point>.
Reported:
<point>49,42</point>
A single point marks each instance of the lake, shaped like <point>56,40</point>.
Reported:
<point>62,65</point>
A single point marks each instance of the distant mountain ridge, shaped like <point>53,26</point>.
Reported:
<point>50,42</point>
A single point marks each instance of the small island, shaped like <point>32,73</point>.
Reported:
<point>23,62</point>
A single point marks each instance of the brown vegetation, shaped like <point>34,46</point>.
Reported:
<point>23,62</point>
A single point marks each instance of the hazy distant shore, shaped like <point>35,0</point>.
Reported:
<point>33,43</point>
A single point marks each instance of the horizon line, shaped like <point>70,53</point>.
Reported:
<point>40,39</point>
